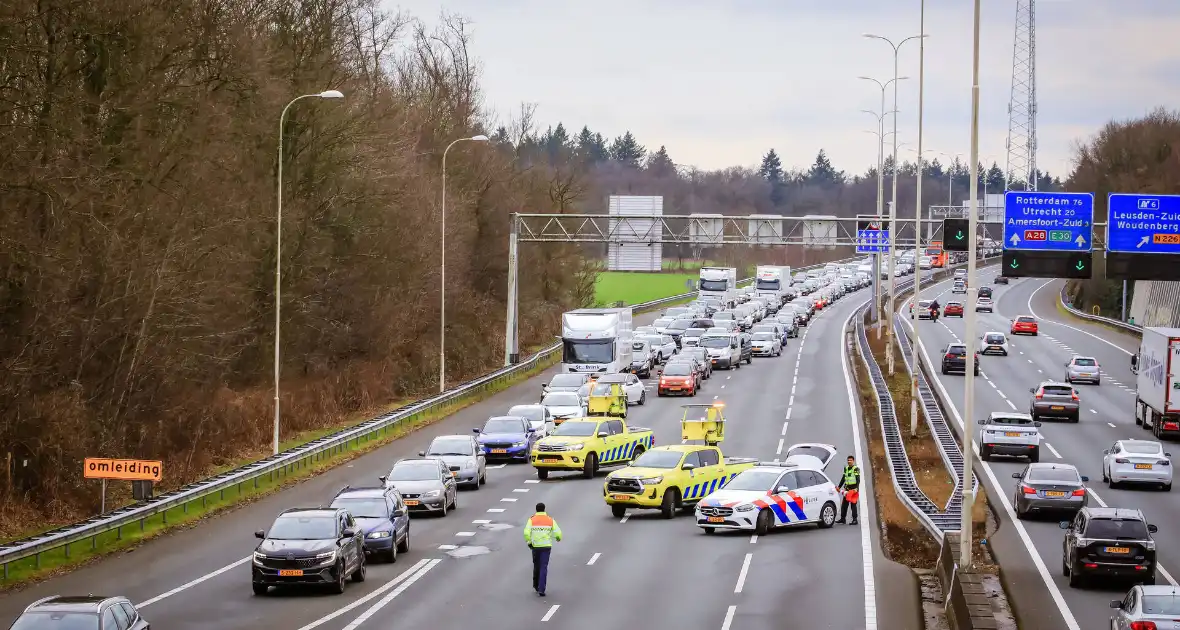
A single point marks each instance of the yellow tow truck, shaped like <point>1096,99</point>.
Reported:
<point>607,399</point>
<point>677,476</point>
<point>586,444</point>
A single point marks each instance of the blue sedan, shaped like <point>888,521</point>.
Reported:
<point>507,437</point>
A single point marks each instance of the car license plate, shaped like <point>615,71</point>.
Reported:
<point>411,502</point>
<point>622,497</point>
<point>499,450</point>
<point>1013,434</point>
<point>1117,549</point>
<point>1057,408</point>
<point>714,360</point>
<point>1142,466</point>
<point>291,572</point>
<point>1054,493</point>
<point>550,458</point>
<point>716,519</point>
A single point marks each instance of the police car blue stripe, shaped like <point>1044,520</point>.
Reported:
<point>778,512</point>
<point>799,513</point>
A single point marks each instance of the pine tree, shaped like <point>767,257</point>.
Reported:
<point>822,173</point>
<point>599,150</point>
<point>772,167</point>
<point>934,169</point>
<point>995,178</point>
<point>627,151</point>
<point>659,164</point>
<point>556,141</point>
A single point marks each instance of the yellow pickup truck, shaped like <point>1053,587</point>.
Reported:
<point>670,478</point>
<point>586,444</point>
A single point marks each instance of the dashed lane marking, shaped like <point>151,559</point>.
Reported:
<point>594,558</point>
<point>508,500</point>
<point>728,617</point>
<point>495,510</point>
<point>741,581</point>
<point>1052,450</point>
<point>1111,425</point>
<point>625,517</point>
<point>465,534</point>
<point>552,611</point>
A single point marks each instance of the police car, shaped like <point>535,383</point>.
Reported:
<point>770,495</point>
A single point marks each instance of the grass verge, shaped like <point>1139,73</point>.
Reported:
<point>634,287</point>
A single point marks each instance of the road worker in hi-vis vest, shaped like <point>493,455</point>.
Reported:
<point>850,486</point>
<point>540,532</point>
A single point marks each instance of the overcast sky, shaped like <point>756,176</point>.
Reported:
<point>719,83</point>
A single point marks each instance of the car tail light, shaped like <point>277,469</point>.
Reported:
<point>1122,461</point>
<point>1143,625</point>
<point>1080,492</point>
<point>1040,394</point>
<point>1028,489</point>
<point>1074,395</point>
<point>1090,565</point>
<point>1163,462</point>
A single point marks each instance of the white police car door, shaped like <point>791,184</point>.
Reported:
<point>786,504</point>
<point>825,453</point>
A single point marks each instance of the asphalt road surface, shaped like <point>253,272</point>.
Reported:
<point>472,567</point>
<point>1107,415</point>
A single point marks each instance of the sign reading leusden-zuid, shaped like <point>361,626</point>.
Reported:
<point>1041,221</point>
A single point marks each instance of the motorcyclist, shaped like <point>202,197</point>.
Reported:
<point>934,310</point>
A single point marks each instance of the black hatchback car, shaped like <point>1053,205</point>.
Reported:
<point>954,359</point>
<point>309,546</point>
<point>747,344</point>
<point>57,611</point>
<point>1108,543</point>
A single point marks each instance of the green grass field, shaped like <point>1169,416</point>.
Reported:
<point>633,287</point>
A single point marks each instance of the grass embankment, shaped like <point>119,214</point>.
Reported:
<point>62,559</point>
<point>634,287</point>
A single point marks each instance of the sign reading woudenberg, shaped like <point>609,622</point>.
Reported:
<point>122,469</point>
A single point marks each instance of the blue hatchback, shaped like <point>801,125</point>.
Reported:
<point>381,515</point>
<point>507,437</point>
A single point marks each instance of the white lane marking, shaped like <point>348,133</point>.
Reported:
<point>625,517</point>
<point>465,534</point>
<point>1093,411</point>
<point>1040,371</point>
<point>728,617</point>
<point>497,466</point>
<point>447,547</point>
<point>1029,360</point>
<point>520,489</point>
<point>1096,497</point>
<point>866,549</point>
<point>741,581</point>
<point>594,558</point>
<point>754,539</point>
<point>402,582</point>
<point>722,387</point>
<point>779,450</point>
<point>1010,404</point>
<point>552,611</point>
<point>1034,314</point>
<point>791,402</point>
<point>1111,425</point>
<point>715,397</point>
<point>532,481</point>
<point>1167,576</point>
<point>188,585</point>
<point>788,417</point>
<point>785,424</point>
<point>507,500</point>
<point>1053,450</point>
<point>495,510</point>
<point>480,521</point>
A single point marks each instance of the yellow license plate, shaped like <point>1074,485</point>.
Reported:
<point>622,497</point>
<point>291,572</point>
<point>1013,434</point>
<point>551,458</point>
<point>1142,466</point>
<point>499,450</point>
<point>454,474</point>
<point>411,502</point>
<point>714,360</point>
<point>1057,408</point>
<point>1054,493</point>
<point>716,519</point>
<point>1117,549</point>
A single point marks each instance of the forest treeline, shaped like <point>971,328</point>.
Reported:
<point>137,225</point>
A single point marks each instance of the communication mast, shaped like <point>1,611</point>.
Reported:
<point>1022,104</point>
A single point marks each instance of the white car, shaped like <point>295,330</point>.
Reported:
<point>661,324</point>
<point>1010,433</point>
<point>634,388</point>
<point>925,262</point>
<point>662,345</point>
<point>768,496</point>
<point>984,304</point>
<point>959,287</point>
<point>539,417</point>
<point>564,405</point>
<point>1137,461</point>
<point>993,343</point>
<point>645,330</point>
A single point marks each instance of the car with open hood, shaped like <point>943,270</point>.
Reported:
<point>463,456</point>
<point>309,547</point>
<point>382,517</point>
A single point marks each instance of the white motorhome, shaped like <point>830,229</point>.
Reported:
<point>771,281</point>
<point>596,340</point>
<point>1157,385</point>
<point>718,283</point>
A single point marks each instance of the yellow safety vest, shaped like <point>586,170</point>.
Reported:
<point>541,530</point>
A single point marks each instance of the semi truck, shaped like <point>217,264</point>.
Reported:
<point>1157,385</point>
<point>772,281</point>
<point>596,340</point>
<point>719,283</point>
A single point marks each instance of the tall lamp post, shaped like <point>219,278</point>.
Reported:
<point>893,206</point>
<point>880,133</point>
<point>442,289</point>
<point>918,217</point>
<point>881,194</point>
<point>968,487</point>
<point>279,245</point>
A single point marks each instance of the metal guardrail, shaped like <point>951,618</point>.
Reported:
<point>286,462</point>
<point>1064,300</point>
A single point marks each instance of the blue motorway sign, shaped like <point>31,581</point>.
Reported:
<point>872,241</point>
<point>1043,221</point>
<point>1143,224</point>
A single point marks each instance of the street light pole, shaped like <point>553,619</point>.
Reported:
<point>965,551</point>
<point>880,133</point>
<point>918,221</point>
<point>889,360</point>
<point>279,247</point>
<point>442,250</point>
<point>881,195</point>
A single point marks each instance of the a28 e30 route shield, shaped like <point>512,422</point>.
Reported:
<point>1143,224</point>
<point>1043,221</point>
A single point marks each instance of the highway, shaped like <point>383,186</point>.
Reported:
<point>472,567</point>
<point>1107,415</point>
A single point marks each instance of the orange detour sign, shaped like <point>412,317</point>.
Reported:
<point>122,469</point>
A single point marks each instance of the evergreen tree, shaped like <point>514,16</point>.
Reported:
<point>1047,183</point>
<point>995,178</point>
<point>934,169</point>
<point>772,167</point>
<point>599,150</point>
<point>822,173</point>
<point>887,166</point>
<point>659,164</point>
<point>556,141</point>
<point>627,151</point>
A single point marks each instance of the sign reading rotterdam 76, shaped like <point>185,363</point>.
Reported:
<point>1042,221</point>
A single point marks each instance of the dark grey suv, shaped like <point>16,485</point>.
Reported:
<point>58,611</point>
<point>1112,543</point>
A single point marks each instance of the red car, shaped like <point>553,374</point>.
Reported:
<point>953,309</point>
<point>1024,325</point>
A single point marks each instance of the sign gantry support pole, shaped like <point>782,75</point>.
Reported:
<point>968,487</point>
<point>511,341</point>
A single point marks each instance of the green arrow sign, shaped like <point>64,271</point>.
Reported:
<point>1015,264</point>
<point>1080,266</point>
<point>960,236</point>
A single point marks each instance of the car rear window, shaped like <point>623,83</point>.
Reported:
<point>960,350</point>
<point>1013,420</point>
<point>1141,448</point>
<point>1167,605</point>
<point>1084,362</point>
<point>959,304</point>
<point>1116,528</point>
<point>680,368</point>
<point>995,338</point>
<point>1051,475</point>
<point>57,620</point>
<point>1026,320</point>
<point>1058,390</point>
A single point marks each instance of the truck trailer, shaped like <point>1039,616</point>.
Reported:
<point>719,283</point>
<point>1157,396</point>
<point>596,340</point>
<point>772,281</point>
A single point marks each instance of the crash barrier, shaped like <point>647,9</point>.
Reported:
<point>948,446</point>
<point>1064,299</point>
<point>965,603</point>
<point>291,461</point>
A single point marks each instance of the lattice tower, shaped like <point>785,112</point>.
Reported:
<point>1022,104</point>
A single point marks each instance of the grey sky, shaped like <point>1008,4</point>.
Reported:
<point>719,83</point>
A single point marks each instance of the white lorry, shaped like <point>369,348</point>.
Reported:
<point>771,281</point>
<point>1157,396</point>
<point>596,340</point>
<point>719,283</point>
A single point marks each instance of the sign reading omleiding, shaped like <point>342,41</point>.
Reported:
<point>122,469</point>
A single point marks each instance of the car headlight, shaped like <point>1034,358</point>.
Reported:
<point>745,507</point>
<point>520,443</point>
<point>259,557</point>
<point>380,534</point>
<point>469,465</point>
<point>326,557</point>
<point>432,493</point>
<point>652,481</point>
<point>577,446</point>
